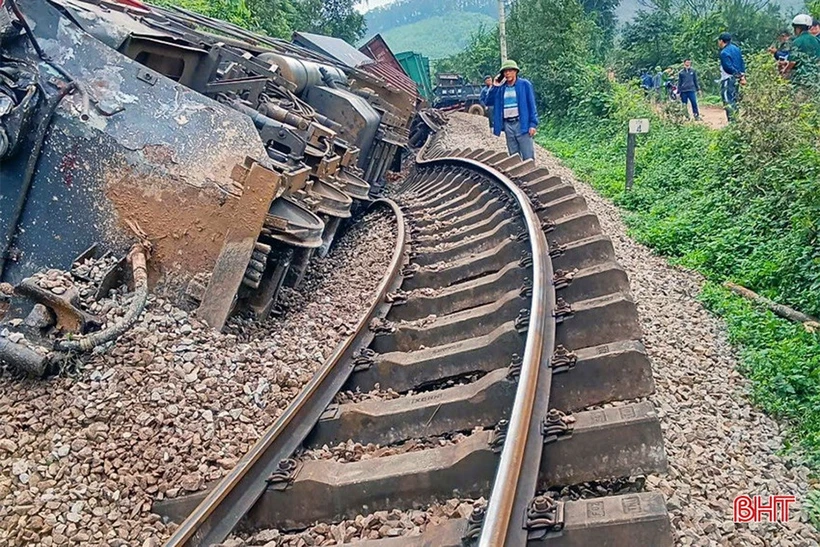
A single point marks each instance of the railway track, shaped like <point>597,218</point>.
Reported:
<point>504,317</point>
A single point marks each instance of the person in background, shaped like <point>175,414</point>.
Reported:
<point>657,82</point>
<point>780,48</point>
<point>646,81</point>
<point>814,29</point>
<point>804,53</point>
<point>732,73</point>
<point>780,51</point>
<point>514,111</point>
<point>670,87</point>
<point>482,98</point>
<point>689,87</point>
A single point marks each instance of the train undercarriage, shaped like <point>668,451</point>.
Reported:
<point>214,161</point>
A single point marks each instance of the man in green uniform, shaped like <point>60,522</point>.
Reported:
<point>806,47</point>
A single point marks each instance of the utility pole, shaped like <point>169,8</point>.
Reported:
<point>502,30</point>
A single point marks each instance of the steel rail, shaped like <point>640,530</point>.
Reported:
<point>225,505</point>
<point>517,475</point>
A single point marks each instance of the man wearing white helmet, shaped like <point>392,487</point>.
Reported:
<point>803,41</point>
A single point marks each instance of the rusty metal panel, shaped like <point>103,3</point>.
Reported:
<point>393,76</point>
<point>387,67</point>
<point>260,188</point>
<point>378,49</point>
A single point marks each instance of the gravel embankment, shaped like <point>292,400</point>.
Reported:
<point>719,445</point>
<point>170,407</point>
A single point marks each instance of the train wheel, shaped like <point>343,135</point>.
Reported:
<point>476,110</point>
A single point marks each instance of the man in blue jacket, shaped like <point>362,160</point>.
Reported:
<point>732,72</point>
<point>689,87</point>
<point>514,112</point>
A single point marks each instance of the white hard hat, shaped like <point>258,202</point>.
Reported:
<point>802,19</point>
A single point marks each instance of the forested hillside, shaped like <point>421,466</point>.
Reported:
<point>417,24</point>
<point>431,27</point>
<point>406,12</point>
<point>438,36</point>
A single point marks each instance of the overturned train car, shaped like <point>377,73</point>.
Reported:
<point>230,157</point>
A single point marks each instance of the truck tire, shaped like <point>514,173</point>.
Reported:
<point>476,110</point>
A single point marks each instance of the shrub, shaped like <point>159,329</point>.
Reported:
<point>740,204</point>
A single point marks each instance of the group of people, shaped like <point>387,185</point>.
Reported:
<point>510,100</point>
<point>796,54</point>
<point>686,89</point>
<point>732,74</point>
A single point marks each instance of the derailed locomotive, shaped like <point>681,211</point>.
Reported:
<point>229,157</point>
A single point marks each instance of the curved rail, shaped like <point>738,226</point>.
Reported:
<point>516,478</point>
<point>223,507</point>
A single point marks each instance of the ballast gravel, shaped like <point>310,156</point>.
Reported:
<point>169,407</point>
<point>719,445</point>
<point>351,451</point>
<point>378,525</point>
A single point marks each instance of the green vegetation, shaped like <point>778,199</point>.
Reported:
<point>234,11</point>
<point>781,359</point>
<point>740,204</point>
<point>478,59</point>
<point>438,36</point>
<point>280,18</point>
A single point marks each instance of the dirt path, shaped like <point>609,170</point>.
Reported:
<point>713,116</point>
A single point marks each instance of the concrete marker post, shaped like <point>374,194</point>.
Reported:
<point>636,126</point>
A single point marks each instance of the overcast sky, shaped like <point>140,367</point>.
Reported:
<point>364,5</point>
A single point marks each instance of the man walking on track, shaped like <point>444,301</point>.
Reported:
<point>514,111</point>
<point>689,87</point>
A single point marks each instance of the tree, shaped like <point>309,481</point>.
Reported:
<point>646,42</point>
<point>330,17</point>
<point>603,13</point>
<point>405,12</point>
<point>274,17</point>
<point>550,40</point>
<point>814,8</point>
<point>234,11</point>
<point>700,8</point>
<point>480,58</point>
<point>659,38</point>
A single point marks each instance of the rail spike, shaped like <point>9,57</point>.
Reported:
<point>514,370</point>
<point>284,475</point>
<point>474,524</point>
<point>557,425</point>
<point>499,436</point>
<point>544,516</point>
<point>562,360</point>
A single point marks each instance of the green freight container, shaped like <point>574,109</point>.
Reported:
<point>417,66</point>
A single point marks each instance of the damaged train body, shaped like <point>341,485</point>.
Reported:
<point>230,158</point>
